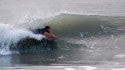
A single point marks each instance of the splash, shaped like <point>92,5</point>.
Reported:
<point>10,35</point>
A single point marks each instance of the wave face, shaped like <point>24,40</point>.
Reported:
<point>65,26</point>
<point>72,25</point>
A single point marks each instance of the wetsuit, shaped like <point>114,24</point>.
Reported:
<point>40,31</point>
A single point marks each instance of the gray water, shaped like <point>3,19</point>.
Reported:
<point>93,54</point>
<point>91,34</point>
<point>15,11</point>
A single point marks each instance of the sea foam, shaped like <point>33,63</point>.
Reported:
<point>11,35</point>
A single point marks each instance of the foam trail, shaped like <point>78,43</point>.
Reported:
<point>119,69</point>
<point>120,56</point>
<point>10,35</point>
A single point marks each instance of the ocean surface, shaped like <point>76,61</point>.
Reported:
<point>90,35</point>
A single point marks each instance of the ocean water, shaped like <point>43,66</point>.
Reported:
<point>90,35</point>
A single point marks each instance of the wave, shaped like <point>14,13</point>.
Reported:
<point>73,25</point>
<point>10,35</point>
<point>64,26</point>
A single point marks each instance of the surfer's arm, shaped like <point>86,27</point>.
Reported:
<point>47,35</point>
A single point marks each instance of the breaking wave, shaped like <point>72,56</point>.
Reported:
<point>65,26</point>
<point>10,35</point>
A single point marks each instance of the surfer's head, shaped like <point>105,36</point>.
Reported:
<point>47,28</point>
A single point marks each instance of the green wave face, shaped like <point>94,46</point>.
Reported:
<point>71,25</point>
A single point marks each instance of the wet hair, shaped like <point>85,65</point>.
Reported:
<point>47,27</point>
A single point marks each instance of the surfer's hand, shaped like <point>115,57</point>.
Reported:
<point>55,36</point>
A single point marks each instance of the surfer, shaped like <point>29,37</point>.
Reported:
<point>50,42</point>
<point>47,32</point>
<point>49,39</point>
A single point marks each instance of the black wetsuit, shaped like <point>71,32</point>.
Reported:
<point>40,31</point>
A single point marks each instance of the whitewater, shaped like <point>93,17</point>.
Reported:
<point>10,35</point>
